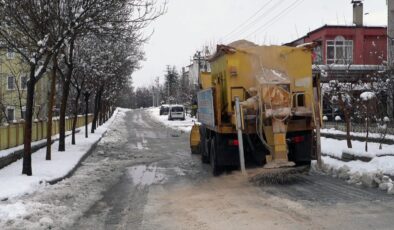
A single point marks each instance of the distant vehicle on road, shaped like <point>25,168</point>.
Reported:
<point>176,112</point>
<point>164,109</point>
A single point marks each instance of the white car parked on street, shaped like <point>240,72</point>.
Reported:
<point>176,112</point>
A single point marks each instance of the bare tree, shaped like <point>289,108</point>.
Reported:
<point>340,94</point>
<point>107,19</point>
<point>38,29</point>
<point>51,103</point>
<point>369,105</point>
<point>25,28</point>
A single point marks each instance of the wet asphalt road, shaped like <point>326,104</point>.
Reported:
<point>173,190</point>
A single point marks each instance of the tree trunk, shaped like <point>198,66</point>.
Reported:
<point>366,138</point>
<point>65,93</point>
<point>346,112</point>
<point>87,95</point>
<point>99,103</point>
<point>51,103</point>
<point>101,116</point>
<point>27,168</point>
<point>96,111</point>
<point>106,113</point>
<point>102,113</point>
<point>62,120</point>
<point>94,114</point>
<point>76,107</point>
<point>384,137</point>
<point>348,137</point>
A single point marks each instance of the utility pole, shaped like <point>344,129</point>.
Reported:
<point>153,96</point>
<point>168,93</point>
<point>198,57</point>
<point>390,51</point>
<point>157,87</point>
<point>390,33</point>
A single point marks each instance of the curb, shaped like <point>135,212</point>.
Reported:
<point>357,138</point>
<point>346,157</point>
<point>72,171</point>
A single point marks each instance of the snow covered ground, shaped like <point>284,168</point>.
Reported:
<point>185,125</point>
<point>370,174</point>
<point>14,184</point>
<point>356,134</point>
<point>335,148</point>
<point>380,161</point>
<point>9,151</point>
<point>44,206</point>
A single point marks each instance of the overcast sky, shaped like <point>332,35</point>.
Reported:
<point>188,25</point>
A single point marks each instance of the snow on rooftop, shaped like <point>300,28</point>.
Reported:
<point>347,67</point>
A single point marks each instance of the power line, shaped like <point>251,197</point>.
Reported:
<point>252,23</point>
<point>246,21</point>
<point>274,19</point>
<point>263,15</point>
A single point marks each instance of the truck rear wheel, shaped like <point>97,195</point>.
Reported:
<point>203,146</point>
<point>213,156</point>
<point>301,147</point>
<point>204,155</point>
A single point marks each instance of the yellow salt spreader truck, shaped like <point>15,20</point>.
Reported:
<point>260,103</point>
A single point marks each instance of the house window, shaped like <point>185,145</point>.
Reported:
<point>317,55</point>
<point>10,83</point>
<point>10,113</point>
<point>10,53</point>
<point>339,51</point>
<point>23,82</point>
<point>24,112</point>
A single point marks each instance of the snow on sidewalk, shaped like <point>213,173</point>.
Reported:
<point>374,173</point>
<point>13,183</point>
<point>333,131</point>
<point>7,152</point>
<point>185,125</point>
<point>335,148</point>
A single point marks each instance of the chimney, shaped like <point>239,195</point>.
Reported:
<point>357,12</point>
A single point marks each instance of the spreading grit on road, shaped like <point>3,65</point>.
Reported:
<point>142,176</point>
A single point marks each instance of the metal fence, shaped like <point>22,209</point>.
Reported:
<point>12,134</point>
<point>357,127</point>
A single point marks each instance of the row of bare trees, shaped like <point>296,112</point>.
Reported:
<point>362,103</point>
<point>177,88</point>
<point>89,47</point>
